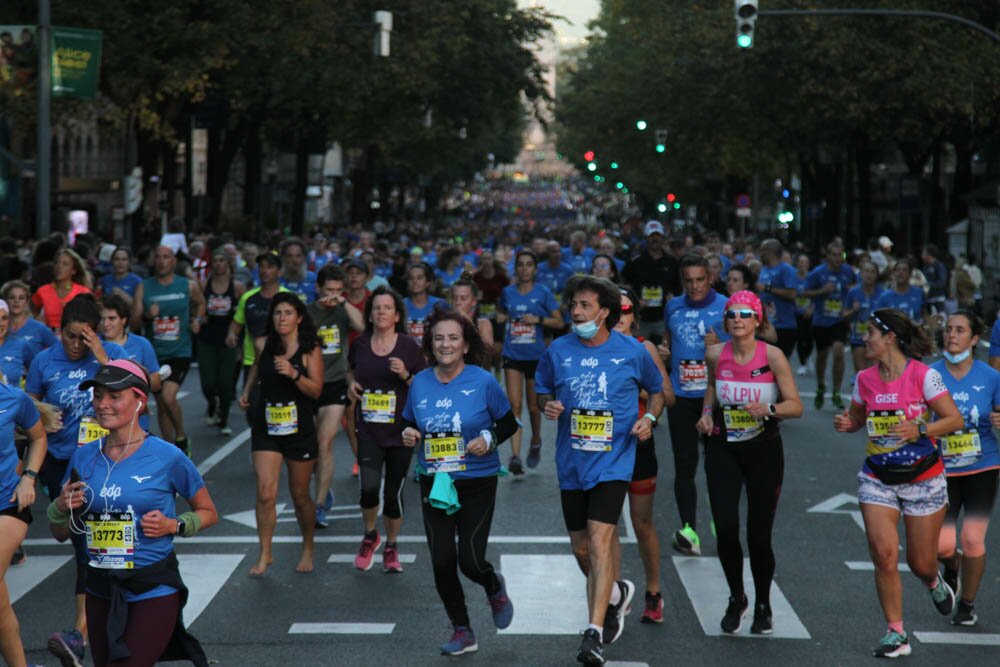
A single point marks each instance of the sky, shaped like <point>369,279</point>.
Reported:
<point>578,12</point>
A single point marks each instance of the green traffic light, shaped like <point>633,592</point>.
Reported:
<point>625,191</point>
<point>619,185</point>
<point>661,148</point>
<point>597,179</point>
<point>662,208</point>
<point>744,41</point>
<point>591,166</point>
<point>677,205</point>
<point>640,125</point>
<point>614,165</point>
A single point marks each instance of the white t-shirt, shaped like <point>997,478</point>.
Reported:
<point>175,242</point>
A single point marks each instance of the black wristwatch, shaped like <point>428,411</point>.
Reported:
<point>29,473</point>
<point>180,527</point>
<point>922,429</point>
<point>770,408</point>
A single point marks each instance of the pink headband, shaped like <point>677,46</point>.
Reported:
<point>747,299</point>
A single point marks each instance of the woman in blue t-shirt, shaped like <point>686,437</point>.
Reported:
<point>17,493</point>
<point>119,493</point>
<point>902,295</point>
<point>15,354</point>
<point>456,415</point>
<point>526,308</point>
<point>971,459</point>
<point>858,307</point>
<point>22,325</point>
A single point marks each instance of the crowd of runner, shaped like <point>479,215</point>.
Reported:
<point>433,341</point>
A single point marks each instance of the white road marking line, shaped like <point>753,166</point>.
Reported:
<point>349,558</point>
<point>833,504</point>
<point>286,514</point>
<point>341,628</point>
<point>708,591</point>
<point>22,578</point>
<point>626,664</point>
<point>204,575</point>
<point>222,452</point>
<point>964,638</point>
<point>868,566</point>
<point>534,581</point>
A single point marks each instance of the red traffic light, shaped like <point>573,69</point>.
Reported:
<point>671,197</point>
<point>589,156</point>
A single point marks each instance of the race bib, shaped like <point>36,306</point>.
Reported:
<point>833,307</point>
<point>282,419</point>
<point>416,329</point>
<point>166,328</point>
<point>740,424</point>
<point>879,425</point>
<point>860,329</point>
<point>488,310</point>
<point>522,333</point>
<point>378,407</point>
<point>89,431</point>
<point>110,539</point>
<point>693,374</point>
<point>444,452</point>
<point>329,337</point>
<point>961,448</point>
<point>219,305</point>
<point>591,430</point>
<point>653,296</point>
<point>802,302</point>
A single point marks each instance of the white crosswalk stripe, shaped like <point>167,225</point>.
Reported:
<point>22,578</point>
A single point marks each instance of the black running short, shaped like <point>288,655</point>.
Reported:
<point>297,449</point>
<point>24,515</point>
<point>646,466</point>
<point>334,393</point>
<point>975,493</point>
<point>827,336</point>
<point>179,367</point>
<point>786,340</point>
<point>602,503</point>
<point>526,367</point>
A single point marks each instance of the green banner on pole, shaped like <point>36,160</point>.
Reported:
<point>76,62</point>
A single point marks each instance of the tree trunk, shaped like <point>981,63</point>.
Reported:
<point>252,170</point>
<point>863,162</point>
<point>220,160</point>
<point>301,181</point>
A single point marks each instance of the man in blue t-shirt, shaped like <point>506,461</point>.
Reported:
<point>827,285</point>
<point>553,272</point>
<point>777,289</point>
<point>589,381</point>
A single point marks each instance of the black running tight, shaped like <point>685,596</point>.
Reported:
<point>472,525</point>
<point>685,441</point>
<point>760,465</point>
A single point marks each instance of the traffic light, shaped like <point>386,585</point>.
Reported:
<point>746,17</point>
<point>640,125</point>
<point>591,166</point>
<point>614,165</point>
<point>589,156</point>
<point>662,208</point>
<point>661,141</point>
<point>671,197</point>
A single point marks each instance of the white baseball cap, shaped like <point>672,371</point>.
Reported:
<point>653,227</point>
<point>884,241</point>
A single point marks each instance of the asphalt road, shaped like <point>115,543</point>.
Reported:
<point>824,597</point>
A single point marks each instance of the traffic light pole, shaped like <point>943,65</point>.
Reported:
<point>909,13</point>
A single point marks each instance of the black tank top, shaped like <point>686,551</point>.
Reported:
<point>283,411</point>
<point>220,313</point>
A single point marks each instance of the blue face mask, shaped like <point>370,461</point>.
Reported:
<point>957,358</point>
<point>587,330</point>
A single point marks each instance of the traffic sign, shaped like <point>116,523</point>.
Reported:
<point>743,201</point>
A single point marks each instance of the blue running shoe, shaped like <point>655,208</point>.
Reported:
<point>534,455</point>
<point>502,607</point>
<point>68,647</point>
<point>321,520</point>
<point>328,501</point>
<point>463,640</point>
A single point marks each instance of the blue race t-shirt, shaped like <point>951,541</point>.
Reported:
<point>453,414</point>
<point>688,323</point>
<point>599,389</point>
<point>974,448</point>
<point>911,303</point>
<point>305,289</point>
<point>55,378</point>
<point>554,278</point>
<point>780,312</point>
<point>828,309</point>
<point>126,283</point>
<point>523,341</point>
<point>416,318</point>
<point>995,340</point>
<point>448,278</point>
<point>16,409</point>
<point>578,263</point>
<point>15,358</point>
<point>859,322</point>
<point>147,480</point>
<point>35,334</point>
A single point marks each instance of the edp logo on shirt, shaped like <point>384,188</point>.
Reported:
<point>443,403</point>
<point>112,492</point>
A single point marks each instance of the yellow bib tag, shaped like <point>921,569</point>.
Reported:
<point>740,424</point>
<point>802,302</point>
<point>110,540</point>
<point>522,333</point>
<point>833,307</point>
<point>652,296</point>
<point>282,419</point>
<point>89,431</point>
<point>879,425</point>
<point>860,329</point>
<point>961,448</point>
<point>591,430</point>
<point>444,452</point>
<point>329,337</point>
<point>488,310</point>
<point>378,407</point>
